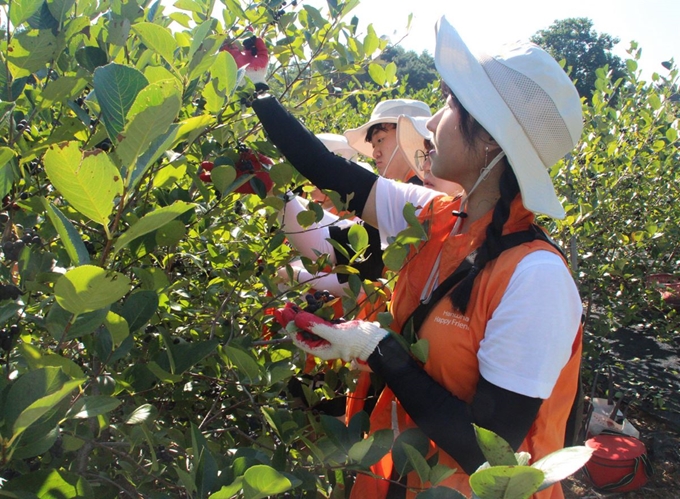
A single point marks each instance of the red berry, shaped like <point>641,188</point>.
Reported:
<point>205,176</point>
<point>251,162</point>
<point>207,166</point>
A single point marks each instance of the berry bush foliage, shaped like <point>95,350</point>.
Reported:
<point>141,248</point>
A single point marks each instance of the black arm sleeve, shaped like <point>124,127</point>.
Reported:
<point>442,416</point>
<point>310,157</point>
<point>372,266</point>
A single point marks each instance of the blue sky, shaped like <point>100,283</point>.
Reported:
<point>654,24</point>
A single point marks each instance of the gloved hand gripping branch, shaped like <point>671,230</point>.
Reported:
<point>346,340</point>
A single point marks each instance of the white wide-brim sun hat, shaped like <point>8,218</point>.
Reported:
<point>411,134</point>
<point>337,144</point>
<point>525,100</point>
<point>387,111</point>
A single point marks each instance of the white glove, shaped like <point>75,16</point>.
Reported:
<point>253,56</point>
<point>347,340</point>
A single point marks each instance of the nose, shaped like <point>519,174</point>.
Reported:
<point>376,152</point>
<point>434,120</point>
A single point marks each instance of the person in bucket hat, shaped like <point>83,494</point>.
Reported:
<point>415,140</point>
<point>488,290</point>
<point>377,138</point>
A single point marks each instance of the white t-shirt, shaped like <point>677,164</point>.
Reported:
<point>529,337</point>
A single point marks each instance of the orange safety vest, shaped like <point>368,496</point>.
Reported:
<point>453,345</point>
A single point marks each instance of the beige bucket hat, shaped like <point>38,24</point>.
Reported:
<point>525,100</point>
<point>387,111</point>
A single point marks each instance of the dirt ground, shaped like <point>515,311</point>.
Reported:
<point>648,371</point>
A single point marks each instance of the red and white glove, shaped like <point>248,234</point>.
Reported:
<point>347,340</point>
<point>253,56</point>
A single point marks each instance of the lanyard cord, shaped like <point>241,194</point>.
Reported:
<point>389,162</point>
<point>433,279</point>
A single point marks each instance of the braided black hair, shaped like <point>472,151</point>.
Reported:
<point>491,248</point>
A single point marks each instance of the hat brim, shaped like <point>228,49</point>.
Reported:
<point>464,75</point>
<point>411,132</point>
<point>356,137</point>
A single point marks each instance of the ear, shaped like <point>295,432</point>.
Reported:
<point>490,142</point>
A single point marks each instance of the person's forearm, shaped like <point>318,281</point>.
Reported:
<point>445,418</point>
<point>310,157</point>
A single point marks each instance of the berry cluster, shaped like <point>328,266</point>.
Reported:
<point>13,249</point>
<point>253,163</point>
<point>23,126</point>
<point>317,300</point>
<point>7,337</point>
<point>9,292</point>
<point>30,237</point>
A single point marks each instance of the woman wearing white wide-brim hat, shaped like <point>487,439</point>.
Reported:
<point>505,342</point>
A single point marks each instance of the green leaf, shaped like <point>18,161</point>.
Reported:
<point>417,460</point>
<point>164,375</point>
<point>59,319</point>
<point>88,288</point>
<point>35,360</point>
<point>440,493</point>
<point>394,256</point>
<point>223,177</point>
<point>49,484</point>
<point>223,81</point>
<point>421,350</point>
<point>507,482</point>
<point>38,408</point>
<point>91,58</point>
<point>7,173</point>
<point>88,182</point>
<point>440,472</point>
<point>142,414</point>
<point>371,41</point>
<point>228,491</point>
<point>377,73</point>
<point>186,355</point>
<point>60,8</point>
<point>336,431</point>
<point>154,110</point>
<point>158,39</point>
<point>562,463</point>
<point>391,73</point>
<point>92,406</point>
<point>414,438</point>
<point>139,308</point>
<point>150,222</point>
<point>29,388</point>
<point>372,449</point>
<point>70,237</point>
<point>245,364</point>
<point>22,10</point>
<point>496,450</point>
<point>171,233</point>
<point>117,327</point>
<point>204,466</point>
<point>116,87</point>
<point>261,481</point>
<point>30,51</point>
<point>358,237</point>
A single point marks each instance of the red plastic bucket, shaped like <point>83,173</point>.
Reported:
<point>618,464</point>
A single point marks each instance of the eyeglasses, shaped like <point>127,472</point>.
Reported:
<point>421,157</point>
